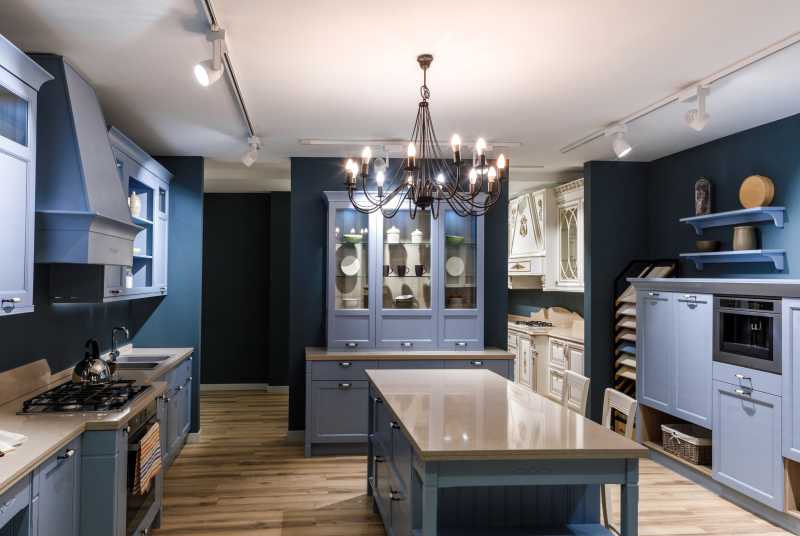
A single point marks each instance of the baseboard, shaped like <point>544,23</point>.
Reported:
<point>206,387</point>
<point>296,437</point>
<point>193,437</point>
<point>282,389</point>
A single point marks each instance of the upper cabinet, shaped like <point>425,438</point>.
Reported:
<point>567,263</point>
<point>528,239</point>
<point>20,80</point>
<point>403,283</point>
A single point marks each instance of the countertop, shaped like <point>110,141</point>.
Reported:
<point>47,433</point>
<point>574,333</point>
<point>478,415</point>
<point>324,354</point>
<point>779,288</point>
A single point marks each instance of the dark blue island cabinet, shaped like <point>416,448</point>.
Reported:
<point>403,283</point>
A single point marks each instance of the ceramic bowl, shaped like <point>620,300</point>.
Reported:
<point>707,246</point>
<point>353,238</point>
<point>454,240</point>
<point>351,303</point>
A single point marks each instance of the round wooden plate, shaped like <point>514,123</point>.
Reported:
<point>756,191</point>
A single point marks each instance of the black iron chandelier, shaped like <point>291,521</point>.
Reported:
<point>426,177</point>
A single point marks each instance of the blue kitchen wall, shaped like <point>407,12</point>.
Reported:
<point>279,277</point>
<point>770,150</point>
<point>614,234</point>
<point>311,177</point>
<point>176,320</point>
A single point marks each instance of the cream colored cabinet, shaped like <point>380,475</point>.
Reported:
<point>565,265</point>
<point>561,356</point>
<point>528,239</point>
<point>523,346</point>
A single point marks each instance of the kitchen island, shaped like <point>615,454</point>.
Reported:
<point>469,452</point>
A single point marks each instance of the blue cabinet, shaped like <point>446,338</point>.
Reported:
<point>178,409</point>
<point>694,326</point>
<point>16,508</point>
<point>502,367</point>
<point>341,412</point>
<point>747,442</point>
<point>20,79</point>
<point>57,493</point>
<point>791,379</point>
<point>655,349</point>
<point>403,283</point>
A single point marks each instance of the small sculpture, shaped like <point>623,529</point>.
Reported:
<point>702,196</point>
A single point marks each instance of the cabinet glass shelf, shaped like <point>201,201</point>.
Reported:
<point>407,276</point>
<point>407,243</point>
<point>736,217</point>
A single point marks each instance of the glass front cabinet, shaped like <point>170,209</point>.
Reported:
<point>398,283</point>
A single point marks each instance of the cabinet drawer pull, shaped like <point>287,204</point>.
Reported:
<point>344,386</point>
<point>127,430</point>
<point>378,400</point>
<point>179,388</point>
<point>461,344</point>
<point>379,459</point>
<point>395,495</point>
<point>351,344</point>
<point>115,292</point>
<point>69,453</point>
<point>406,344</point>
<point>394,425</point>
<point>7,505</point>
<point>743,377</point>
<point>476,363</point>
<point>743,392</point>
<point>345,364</point>
<point>11,300</point>
<point>654,294</point>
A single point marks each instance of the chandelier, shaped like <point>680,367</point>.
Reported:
<point>426,177</point>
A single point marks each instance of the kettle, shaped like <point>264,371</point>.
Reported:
<point>91,370</point>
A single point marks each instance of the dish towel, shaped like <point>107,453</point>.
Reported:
<point>148,460</point>
<point>9,441</point>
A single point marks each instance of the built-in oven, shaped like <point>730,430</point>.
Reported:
<point>747,332</point>
<point>139,506</point>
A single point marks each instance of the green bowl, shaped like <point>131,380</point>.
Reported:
<point>353,238</point>
<point>454,240</point>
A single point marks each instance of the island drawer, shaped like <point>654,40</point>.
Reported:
<point>15,500</point>
<point>410,364</point>
<point>341,370</point>
<point>383,428</point>
<point>500,366</point>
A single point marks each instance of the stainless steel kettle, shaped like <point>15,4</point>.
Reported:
<point>91,369</point>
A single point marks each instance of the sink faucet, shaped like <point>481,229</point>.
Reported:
<point>114,354</point>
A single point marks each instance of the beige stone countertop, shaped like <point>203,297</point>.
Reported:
<point>572,333</point>
<point>567,334</point>
<point>176,356</point>
<point>324,354</point>
<point>478,415</point>
<point>47,433</point>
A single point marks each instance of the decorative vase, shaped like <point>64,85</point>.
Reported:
<point>393,235</point>
<point>744,238</point>
<point>136,205</point>
<point>702,196</point>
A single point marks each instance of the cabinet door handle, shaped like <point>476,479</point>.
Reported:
<point>127,430</point>
<point>394,425</point>
<point>179,388</point>
<point>13,300</point>
<point>351,344</point>
<point>345,364</point>
<point>476,363</point>
<point>461,344</point>
<point>7,505</point>
<point>69,453</point>
<point>344,386</point>
<point>743,392</point>
<point>395,495</point>
<point>114,292</point>
<point>406,344</point>
<point>744,378</point>
<point>379,401</point>
<point>654,294</point>
<point>379,459</point>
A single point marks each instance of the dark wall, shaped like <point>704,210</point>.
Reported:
<point>770,150</point>
<point>524,302</point>
<point>236,323</point>
<point>54,331</point>
<point>614,234</point>
<point>175,321</point>
<point>279,233</point>
<point>311,177</point>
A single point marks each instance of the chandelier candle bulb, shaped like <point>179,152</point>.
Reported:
<point>366,155</point>
<point>455,143</point>
<point>412,156</point>
<point>501,165</point>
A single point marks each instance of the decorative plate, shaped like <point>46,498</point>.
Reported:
<point>454,266</point>
<point>350,265</point>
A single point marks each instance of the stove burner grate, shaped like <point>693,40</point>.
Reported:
<point>73,397</point>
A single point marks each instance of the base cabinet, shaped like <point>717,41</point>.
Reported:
<point>747,443</point>
<point>56,486</point>
<point>178,409</point>
<point>791,379</point>
<point>340,414</point>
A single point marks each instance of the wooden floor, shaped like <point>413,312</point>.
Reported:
<point>243,479</point>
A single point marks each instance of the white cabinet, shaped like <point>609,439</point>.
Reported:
<point>528,238</point>
<point>791,379</point>
<point>20,79</point>
<point>561,356</point>
<point>565,260</point>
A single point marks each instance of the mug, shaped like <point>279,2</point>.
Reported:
<point>419,269</point>
<point>386,270</point>
<point>401,270</point>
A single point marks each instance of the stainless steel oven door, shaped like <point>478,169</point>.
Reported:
<point>747,332</point>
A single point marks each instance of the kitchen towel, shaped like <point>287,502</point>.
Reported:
<point>148,460</point>
<point>9,441</point>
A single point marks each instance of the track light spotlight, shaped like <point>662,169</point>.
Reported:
<point>209,71</point>
<point>621,147</point>
<point>697,118</point>
<point>249,158</point>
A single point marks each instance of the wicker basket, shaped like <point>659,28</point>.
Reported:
<point>687,441</point>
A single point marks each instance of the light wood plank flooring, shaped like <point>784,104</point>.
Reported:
<point>243,479</point>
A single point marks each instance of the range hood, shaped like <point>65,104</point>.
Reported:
<point>82,214</point>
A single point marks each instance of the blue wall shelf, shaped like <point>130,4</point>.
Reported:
<point>775,256</point>
<point>735,217</point>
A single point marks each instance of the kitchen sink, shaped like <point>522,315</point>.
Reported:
<point>142,358</point>
<point>137,365</point>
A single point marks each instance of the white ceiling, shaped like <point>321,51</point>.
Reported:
<point>544,73</point>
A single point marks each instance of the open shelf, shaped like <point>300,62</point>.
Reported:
<point>776,256</point>
<point>736,217</point>
<point>141,221</point>
<point>702,469</point>
<point>142,257</point>
<point>649,423</point>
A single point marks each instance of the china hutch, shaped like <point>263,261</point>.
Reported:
<point>403,283</point>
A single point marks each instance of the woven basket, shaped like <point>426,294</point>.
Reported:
<point>687,441</point>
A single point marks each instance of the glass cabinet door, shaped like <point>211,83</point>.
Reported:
<point>351,259</point>
<point>568,244</point>
<point>460,261</point>
<point>406,266</point>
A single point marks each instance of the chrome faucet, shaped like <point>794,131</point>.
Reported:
<point>114,353</point>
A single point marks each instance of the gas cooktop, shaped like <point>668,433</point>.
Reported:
<point>80,398</point>
<point>534,323</point>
